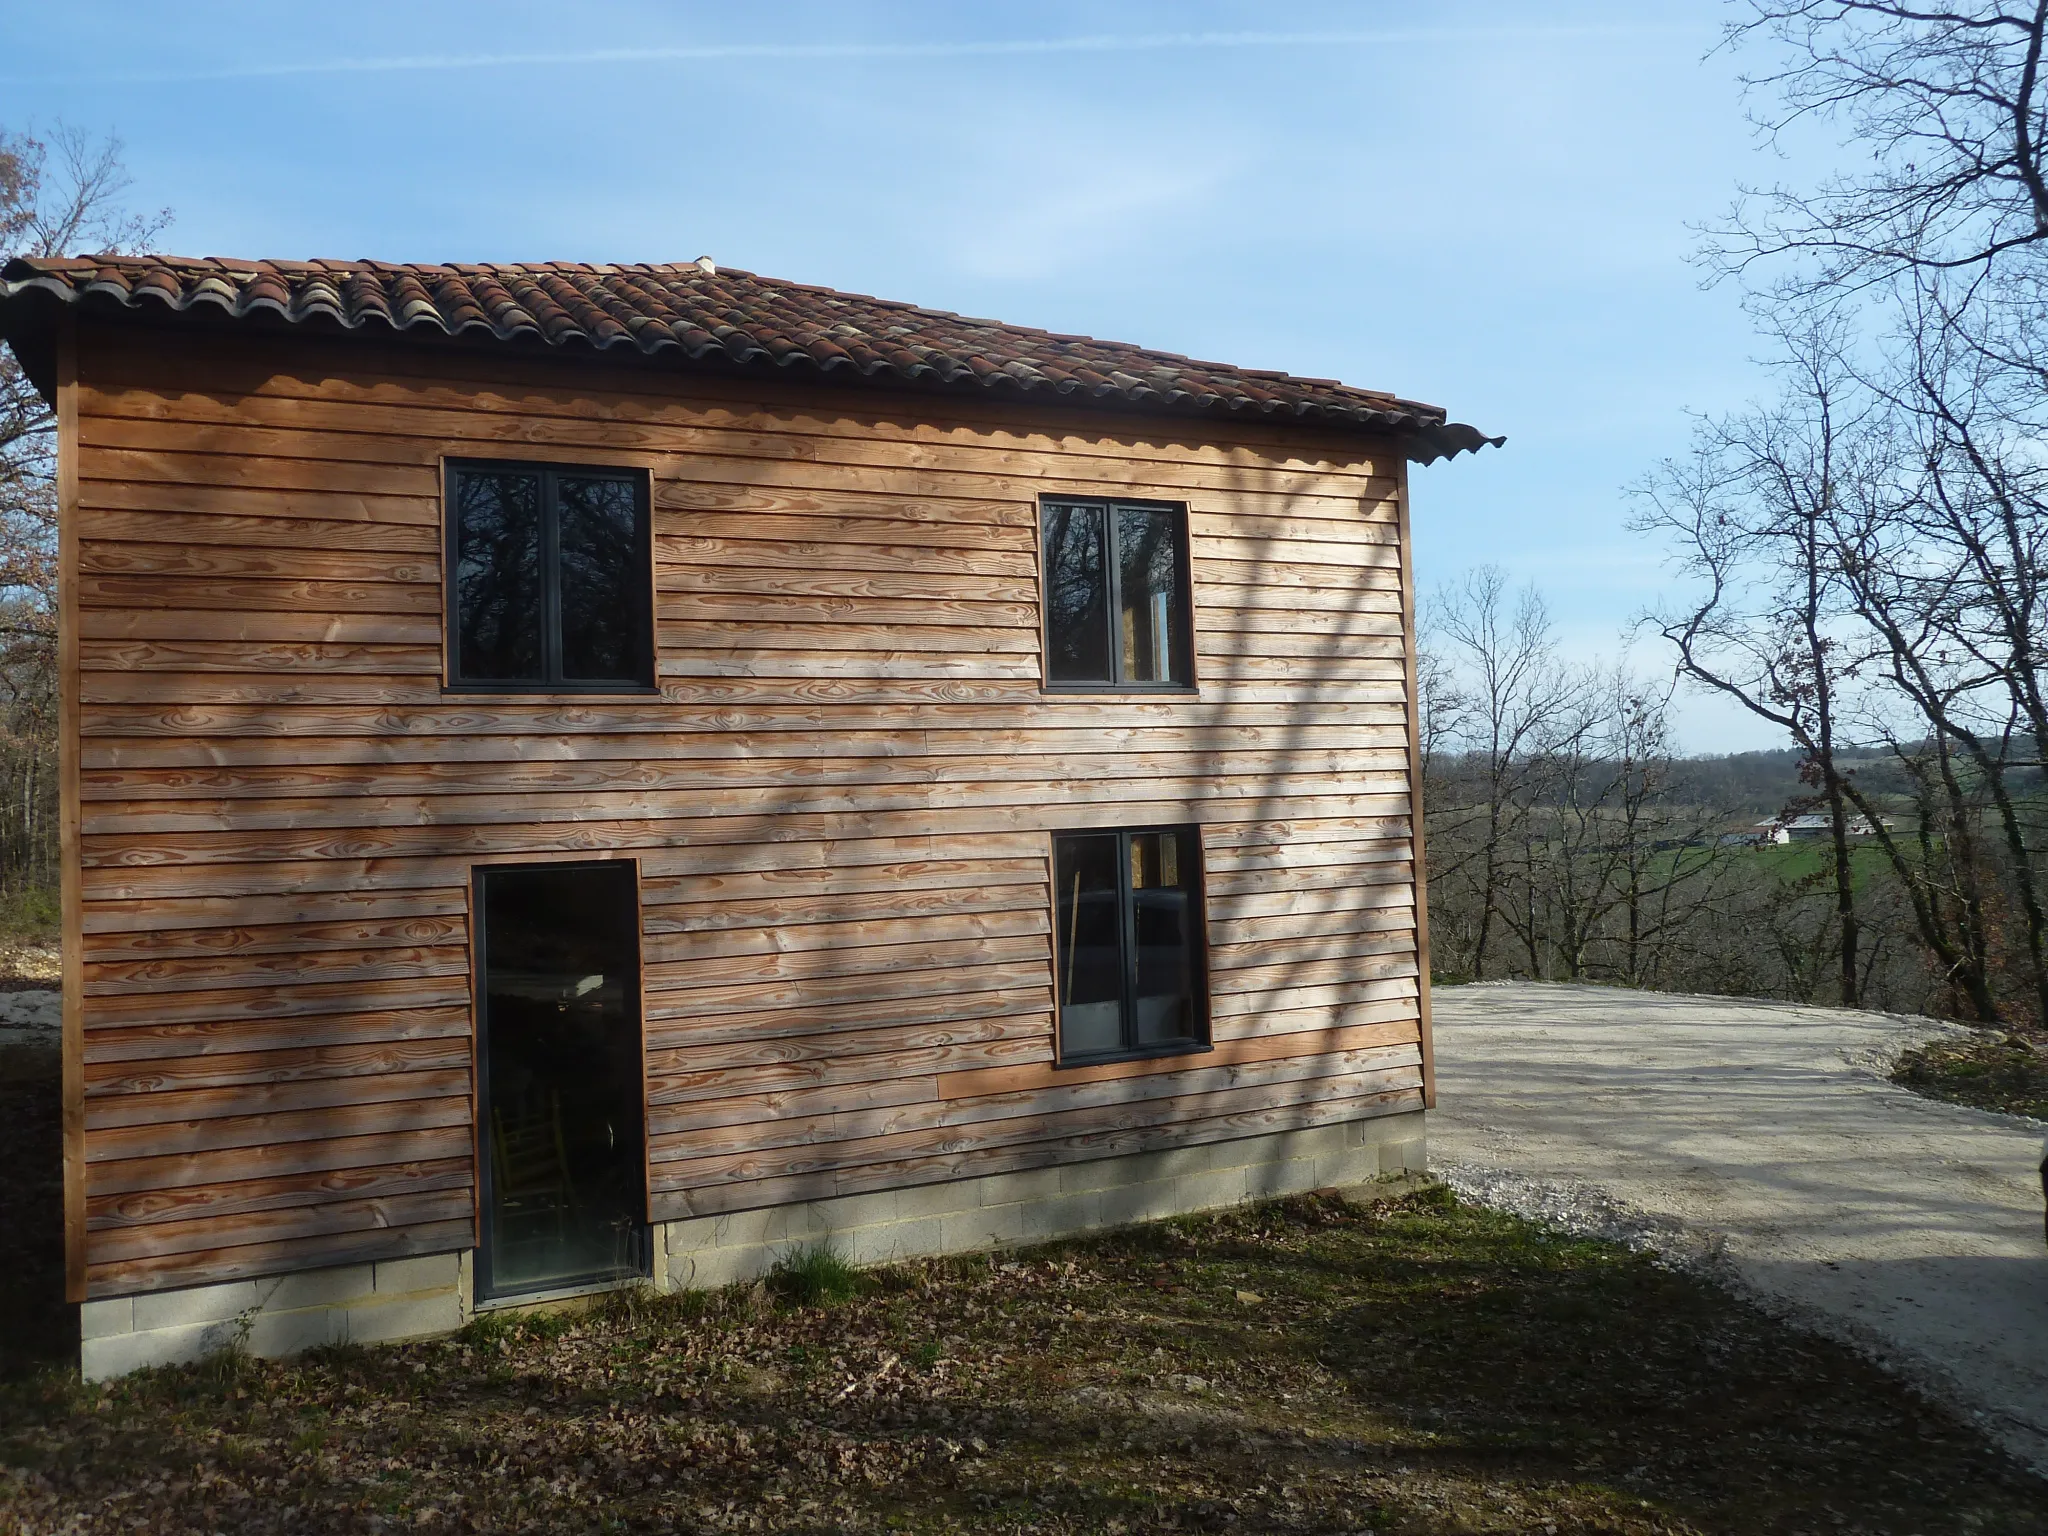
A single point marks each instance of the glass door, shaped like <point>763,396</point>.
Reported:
<point>563,1143</point>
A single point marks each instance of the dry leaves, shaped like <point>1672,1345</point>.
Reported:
<point>1310,1367</point>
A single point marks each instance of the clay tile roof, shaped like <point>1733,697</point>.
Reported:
<point>726,318</point>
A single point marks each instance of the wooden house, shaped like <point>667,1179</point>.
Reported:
<point>576,775</point>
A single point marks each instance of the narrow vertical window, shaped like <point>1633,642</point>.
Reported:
<point>500,586</point>
<point>1164,906</point>
<point>550,578</point>
<point>1148,588</point>
<point>1076,594</point>
<point>1116,595</point>
<point>1091,946</point>
<point>602,578</point>
<point>1128,943</point>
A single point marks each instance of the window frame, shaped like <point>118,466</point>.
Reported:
<point>550,473</point>
<point>1203,1037</point>
<point>1183,639</point>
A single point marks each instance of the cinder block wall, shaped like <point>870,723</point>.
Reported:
<point>433,1294</point>
<point>352,1304</point>
<point>1011,1209</point>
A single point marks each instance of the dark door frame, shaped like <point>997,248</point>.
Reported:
<point>480,1131</point>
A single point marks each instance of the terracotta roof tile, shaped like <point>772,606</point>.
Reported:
<point>722,316</point>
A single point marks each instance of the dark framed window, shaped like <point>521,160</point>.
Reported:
<point>550,578</point>
<point>1116,595</point>
<point>1129,943</point>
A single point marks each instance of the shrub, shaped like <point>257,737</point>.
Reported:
<point>29,914</point>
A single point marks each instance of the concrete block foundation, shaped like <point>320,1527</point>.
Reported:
<point>279,1315</point>
<point>419,1297</point>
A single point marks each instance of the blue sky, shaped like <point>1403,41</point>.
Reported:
<point>1482,205</point>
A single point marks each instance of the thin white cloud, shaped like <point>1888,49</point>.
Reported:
<point>717,52</point>
<point>1034,221</point>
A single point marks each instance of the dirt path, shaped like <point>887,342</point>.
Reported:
<point>1767,1135</point>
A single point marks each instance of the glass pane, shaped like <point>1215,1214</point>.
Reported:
<point>562,1075</point>
<point>498,582</point>
<point>1148,552</point>
<point>1090,945</point>
<point>1162,895</point>
<point>1076,595</point>
<point>604,583</point>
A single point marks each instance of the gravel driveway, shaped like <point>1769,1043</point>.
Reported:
<point>1765,1137</point>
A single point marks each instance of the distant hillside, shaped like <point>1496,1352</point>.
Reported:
<point>1756,785</point>
<point>1764,783</point>
<point>1751,786</point>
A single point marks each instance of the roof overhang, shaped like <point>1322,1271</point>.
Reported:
<point>571,312</point>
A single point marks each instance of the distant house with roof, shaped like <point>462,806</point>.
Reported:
<point>1803,828</point>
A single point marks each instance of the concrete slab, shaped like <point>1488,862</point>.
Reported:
<point>1767,1136</point>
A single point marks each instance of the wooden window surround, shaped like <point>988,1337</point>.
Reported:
<point>549,578</point>
<point>1115,596</point>
<point>1128,944</point>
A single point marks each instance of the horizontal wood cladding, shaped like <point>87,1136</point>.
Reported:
<point>838,795</point>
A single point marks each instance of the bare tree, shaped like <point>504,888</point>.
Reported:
<point>1750,519</point>
<point>1665,857</point>
<point>1948,107</point>
<point>1513,689</point>
<point>1940,870</point>
<point>58,195</point>
<point>1620,857</point>
<point>1927,261</point>
<point>1566,838</point>
<point>1946,561</point>
<point>1566,869</point>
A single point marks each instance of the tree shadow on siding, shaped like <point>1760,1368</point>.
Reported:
<point>38,1328</point>
<point>1319,619</point>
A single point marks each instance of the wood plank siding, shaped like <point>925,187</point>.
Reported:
<point>839,798</point>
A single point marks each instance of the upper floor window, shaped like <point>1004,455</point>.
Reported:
<point>550,578</point>
<point>1116,595</point>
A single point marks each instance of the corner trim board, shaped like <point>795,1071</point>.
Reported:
<point>1418,862</point>
<point>70,873</point>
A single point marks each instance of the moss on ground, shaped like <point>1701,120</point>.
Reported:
<point>1989,1071</point>
<point>28,936</point>
<point>1309,1366</point>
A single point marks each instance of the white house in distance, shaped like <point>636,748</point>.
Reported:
<point>1799,829</point>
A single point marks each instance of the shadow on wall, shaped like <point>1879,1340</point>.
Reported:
<point>1300,616</point>
<point>1293,758</point>
<point>41,1328</point>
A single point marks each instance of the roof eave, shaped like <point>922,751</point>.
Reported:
<point>31,302</point>
<point>28,325</point>
<point>1447,440</point>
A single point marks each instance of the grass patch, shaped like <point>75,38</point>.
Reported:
<point>814,1277</point>
<point>29,931</point>
<point>1419,1368</point>
<point>29,914</point>
<point>2007,1073</point>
